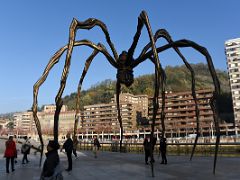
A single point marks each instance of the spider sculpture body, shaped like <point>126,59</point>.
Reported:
<point>125,63</point>
<point>125,71</point>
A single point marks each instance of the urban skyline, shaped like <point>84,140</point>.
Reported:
<point>32,31</point>
<point>136,112</point>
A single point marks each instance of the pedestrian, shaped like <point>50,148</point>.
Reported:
<point>25,149</point>
<point>163,150</point>
<point>51,167</point>
<point>147,149</point>
<point>96,146</point>
<point>68,146</point>
<point>75,144</point>
<point>10,153</point>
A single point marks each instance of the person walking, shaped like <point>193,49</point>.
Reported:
<point>68,146</point>
<point>163,150</point>
<point>51,167</point>
<point>10,153</point>
<point>96,146</point>
<point>147,149</point>
<point>26,146</point>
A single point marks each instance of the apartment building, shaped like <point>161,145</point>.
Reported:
<point>23,122</point>
<point>180,119</point>
<point>232,50</point>
<point>100,118</point>
<point>139,101</point>
<point>66,119</point>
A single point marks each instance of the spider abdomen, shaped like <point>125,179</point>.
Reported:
<point>125,76</point>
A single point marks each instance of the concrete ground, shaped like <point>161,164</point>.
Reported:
<point>124,166</point>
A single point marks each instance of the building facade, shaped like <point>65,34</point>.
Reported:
<point>66,122</point>
<point>24,123</point>
<point>232,51</point>
<point>180,115</point>
<point>100,118</point>
<point>136,113</point>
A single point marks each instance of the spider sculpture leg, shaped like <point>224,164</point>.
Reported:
<point>158,76</point>
<point>89,24</point>
<point>213,104</point>
<point>118,90</point>
<point>162,83</point>
<point>54,60</point>
<point>167,36</point>
<point>87,65</point>
<point>75,25</point>
<point>65,72</point>
<point>36,87</point>
<point>162,33</point>
<point>143,20</point>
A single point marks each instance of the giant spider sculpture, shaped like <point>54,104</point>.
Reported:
<point>125,63</point>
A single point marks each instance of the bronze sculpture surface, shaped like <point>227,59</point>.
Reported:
<point>125,63</point>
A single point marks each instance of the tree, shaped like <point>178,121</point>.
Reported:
<point>10,125</point>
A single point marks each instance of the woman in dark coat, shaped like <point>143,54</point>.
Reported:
<point>10,153</point>
<point>51,162</point>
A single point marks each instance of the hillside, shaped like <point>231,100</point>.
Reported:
<point>178,79</point>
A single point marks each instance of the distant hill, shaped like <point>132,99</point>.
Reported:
<point>178,79</point>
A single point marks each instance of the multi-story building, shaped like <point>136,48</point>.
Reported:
<point>232,50</point>
<point>139,101</point>
<point>66,122</point>
<point>100,118</point>
<point>23,122</point>
<point>180,119</point>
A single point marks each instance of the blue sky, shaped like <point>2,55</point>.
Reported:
<point>32,31</point>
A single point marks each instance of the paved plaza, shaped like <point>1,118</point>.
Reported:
<point>124,166</point>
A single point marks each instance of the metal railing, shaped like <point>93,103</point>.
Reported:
<point>228,149</point>
<point>202,149</point>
